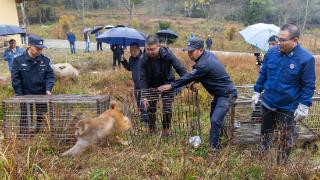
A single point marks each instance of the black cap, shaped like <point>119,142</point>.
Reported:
<point>195,43</point>
<point>35,40</point>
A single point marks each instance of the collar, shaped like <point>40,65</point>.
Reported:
<point>200,56</point>
<point>28,57</point>
<point>137,57</point>
<point>292,52</point>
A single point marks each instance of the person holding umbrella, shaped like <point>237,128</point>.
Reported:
<point>288,79</point>
<point>167,34</point>
<point>86,36</point>
<point>120,37</point>
<point>96,31</point>
<point>133,66</point>
<point>12,52</point>
<point>155,70</point>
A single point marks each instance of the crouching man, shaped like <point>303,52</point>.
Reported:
<point>211,73</point>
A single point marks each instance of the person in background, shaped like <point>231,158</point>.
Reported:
<point>87,40</point>
<point>133,65</point>
<point>71,37</point>
<point>117,51</point>
<point>273,41</point>
<point>191,36</point>
<point>208,43</point>
<point>12,52</point>
<point>287,78</point>
<point>32,75</point>
<point>99,43</point>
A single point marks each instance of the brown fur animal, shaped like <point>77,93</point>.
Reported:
<point>90,131</point>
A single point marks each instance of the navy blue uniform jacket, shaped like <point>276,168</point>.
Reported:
<point>210,72</point>
<point>32,76</point>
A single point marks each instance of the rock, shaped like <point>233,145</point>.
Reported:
<point>65,70</point>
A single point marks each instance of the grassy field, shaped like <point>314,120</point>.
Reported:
<point>39,158</point>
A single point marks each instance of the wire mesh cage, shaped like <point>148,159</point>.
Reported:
<point>56,115</point>
<point>169,117</point>
<point>242,125</point>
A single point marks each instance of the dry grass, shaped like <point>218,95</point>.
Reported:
<point>39,158</point>
<point>182,25</point>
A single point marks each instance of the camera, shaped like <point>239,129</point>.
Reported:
<point>258,59</point>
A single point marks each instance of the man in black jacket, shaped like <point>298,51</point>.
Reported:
<point>117,51</point>
<point>156,70</point>
<point>32,75</point>
<point>213,76</point>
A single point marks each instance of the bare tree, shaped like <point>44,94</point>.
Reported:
<point>305,15</point>
<point>129,5</point>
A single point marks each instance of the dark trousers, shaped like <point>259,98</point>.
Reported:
<point>219,108</point>
<point>143,111</point>
<point>99,46</point>
<point>167,99</point>
<point>284,122</point>
<point>26,118</point>
<point>72,48</point>
<point>116,58</point>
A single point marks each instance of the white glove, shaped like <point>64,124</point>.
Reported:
<point>255,99</point>
<point>301,112</point>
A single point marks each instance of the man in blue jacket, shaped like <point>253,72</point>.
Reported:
<point>213,76</point>
<point>288,80</point>
<point>32,75</point>
<point>12,52</point>
<point>72,39</point>
<point>156,70</point>
<point>133,66</point>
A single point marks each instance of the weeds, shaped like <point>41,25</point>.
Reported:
<point>38,157</point>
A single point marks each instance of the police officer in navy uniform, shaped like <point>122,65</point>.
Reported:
<point>288,80</point>
<point>32,75</point>
<point>210,72</point>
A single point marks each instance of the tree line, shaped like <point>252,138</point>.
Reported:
<point>304,13</point>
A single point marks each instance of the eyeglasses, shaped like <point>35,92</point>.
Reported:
<point>281,40</point>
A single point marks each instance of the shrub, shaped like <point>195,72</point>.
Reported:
<point>164,24</point>
<point>135,23</point>
<point>62,27</point>
<point>231,33</point>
